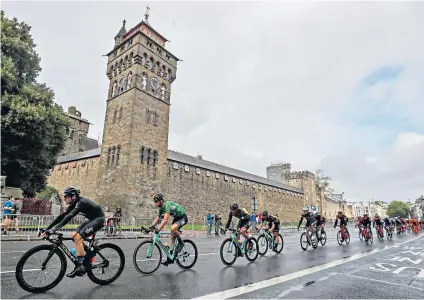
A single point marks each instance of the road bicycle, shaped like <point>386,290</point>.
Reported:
<point>343,236</point>
<point>267,240</point>
<point>94,260</point>
<point>321,236</point>
<point>380,234</point>
<point>389,232</point>
<point>247,247</point>
<point>368,236</point>
<point>308,238</point>
<point>146,256</point>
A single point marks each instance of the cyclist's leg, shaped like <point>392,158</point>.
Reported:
<point>177,224</point>
<point>276,229</point>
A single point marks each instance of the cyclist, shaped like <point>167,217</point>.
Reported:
<point>343,220</point>
<point>244,224</point>
<point>378,224</point>
<point>166,209</point>
<point>94,221</point>
<point>273,225</point>
<point>387,223</point>
<point>366,224</point>
<point>306,214</point>
<point>403,223</point>
<point>320,223</point>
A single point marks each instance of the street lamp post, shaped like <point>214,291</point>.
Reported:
<point>254,203</point>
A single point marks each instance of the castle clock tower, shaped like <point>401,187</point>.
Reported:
<point>133,161</point>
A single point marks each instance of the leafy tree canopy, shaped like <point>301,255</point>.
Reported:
<point>398,209</point>
<point>33,126</point>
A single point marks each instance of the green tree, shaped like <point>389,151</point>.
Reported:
<point>46,193</point>
<point>322,182</point>
<point>33,126</point>
<point>398,209</point>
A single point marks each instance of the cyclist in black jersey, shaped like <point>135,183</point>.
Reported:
<point>273,225</point>
<point>94,221</point>
<point>244,217</point>
<point>306,214</point>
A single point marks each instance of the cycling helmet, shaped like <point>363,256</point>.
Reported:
<point>234,206</point>
<point>70,191</point>
<point>305,209</point>
<point>157,197</point>
<point>340,212</point>
<point>264,214</point>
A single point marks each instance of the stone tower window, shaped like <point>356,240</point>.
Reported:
<point>120,66</point>
<point>148,114</point>
<point>113,154</point>
<point>155,120</point>
<point>120,113</point>
<point>148,156</point>
<point>108,155</point>
<point>114,88</point>
<point>142,154</point>
<point>126,62</point>
<point>155,157</point>
<point>131,60</point>
<point>129,80</point>
<point>112,72</point>
<point>118,150</point>
<point>114,116</point>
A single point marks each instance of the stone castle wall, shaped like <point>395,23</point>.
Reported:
<point>82,174</point>
<point>199,192</point>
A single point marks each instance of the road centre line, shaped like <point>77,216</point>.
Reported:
<point>277,280</point>
<point>383,281</point>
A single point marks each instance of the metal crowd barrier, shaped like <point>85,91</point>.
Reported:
<point>27,226</point>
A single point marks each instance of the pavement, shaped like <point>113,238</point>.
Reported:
<point>388,269</point>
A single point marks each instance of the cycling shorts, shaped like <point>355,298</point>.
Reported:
<point>88,227</point>
<point>244,223</point>
<point>181,220</point>
<point>277,226</point>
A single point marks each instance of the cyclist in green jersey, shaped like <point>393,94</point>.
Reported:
<point>166,209</point>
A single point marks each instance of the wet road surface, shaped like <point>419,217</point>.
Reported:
<point>357,270</point>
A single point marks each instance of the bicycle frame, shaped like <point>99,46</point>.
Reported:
<point>157,241</point>
<point>242,247</point>
<point>269,237</point>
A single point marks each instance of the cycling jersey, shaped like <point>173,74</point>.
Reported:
<point>242,214</point>
<point>377,221</point>
<point>366,222</point>
<point>309,219</point>
<point>319,219</point>
<point>271,219</point>
<point>83,206</point>
<point>343,220</point>
<point>387,223</point>
<point>171,208</point>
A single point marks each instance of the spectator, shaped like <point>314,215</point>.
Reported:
<point>117,219</point>
<point>217,223</point>
<point>209,220</point>
<point>7,211</point>
<point>259,218</point>
<point>15,210</point>
<point>253,218</point>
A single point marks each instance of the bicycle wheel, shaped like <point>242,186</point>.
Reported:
<point>314,240</point>
<point>304,243</point>
<point>361,236</point>
<point>50,253</point>
<point>228,246</point>
<point>185,253</point>
<point>262,245</point>
<point>339,238</point>
<point>252,254</point>
<point>150,254</point>
<point>347,239</point>
<point>323,238</point>
<point>105,264</point>
<point>280,243</point>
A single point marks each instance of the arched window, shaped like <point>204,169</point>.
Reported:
<point>120,113</point>
<point>108,155</point>
<point>121,85</point>
<point>155,157</point>
<point>114,116</point>
<point>112,73</point>
<point>148,156</point>
<point>113,154</point>
<point>131,61</point>
<point>118,150</point>
<point>114,88</point>
<point>126,62</point>
<point>142,154</point>
<point>129,80</point>
<point>120,67</point>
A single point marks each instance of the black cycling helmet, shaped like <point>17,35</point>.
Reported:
<point>70,191</point>
<point>157,197</point>
<point>264,214</point>
<point>340,212</point>
<point>234,206</point>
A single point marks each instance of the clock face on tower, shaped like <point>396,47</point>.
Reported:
<point>154,83</point>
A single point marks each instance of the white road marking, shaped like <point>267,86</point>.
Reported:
<point>277,280</point>
<point>28,270</point>
<point>383,281</point>
<point>7,252</point>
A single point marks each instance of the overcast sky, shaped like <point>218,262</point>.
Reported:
<point>336,85</point>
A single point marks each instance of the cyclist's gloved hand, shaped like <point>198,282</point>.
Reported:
<point>50,231</point>
<point>152,228</point>
<point>298,228</point>
<point>335,227</point>
<point>156,231</point>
